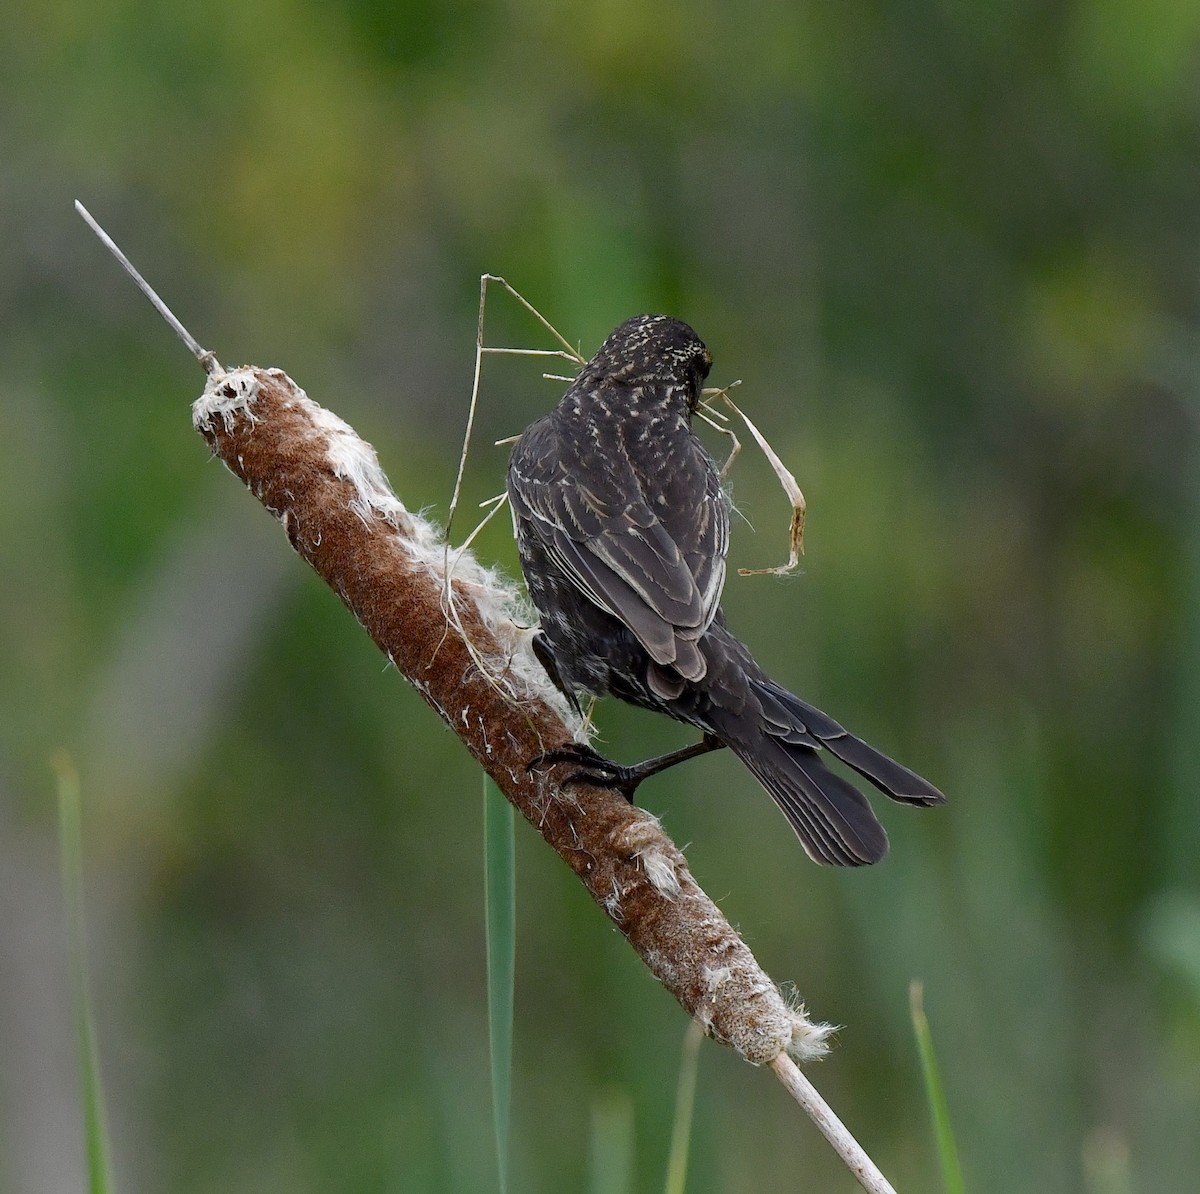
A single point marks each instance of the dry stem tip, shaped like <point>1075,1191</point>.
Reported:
<point>206,358</point>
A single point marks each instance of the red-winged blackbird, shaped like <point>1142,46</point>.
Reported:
<point>622,527</point>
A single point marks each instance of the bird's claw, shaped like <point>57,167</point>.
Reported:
<point>594,769</point>
<point>573,752</point>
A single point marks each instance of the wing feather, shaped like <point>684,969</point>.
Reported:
<point>661,576</point>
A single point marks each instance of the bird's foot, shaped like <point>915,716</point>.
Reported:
<point>594,768</point>
<point>591,768</point>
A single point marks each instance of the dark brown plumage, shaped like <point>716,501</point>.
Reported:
<point>622,528</point>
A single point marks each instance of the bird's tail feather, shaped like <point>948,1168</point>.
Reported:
<point>784,749</point>
<point>831,817</point>
<point>795,721</point>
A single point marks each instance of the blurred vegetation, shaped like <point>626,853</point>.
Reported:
<point>952,252</point>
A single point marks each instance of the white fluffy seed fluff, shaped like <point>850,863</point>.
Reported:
<point>500,605</point>
<point>784,1022</point>
<point>226,395</point>
<point>642,840</point>
<point>810,1041</point>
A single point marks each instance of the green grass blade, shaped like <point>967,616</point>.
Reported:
<point>501,896</point>
<point>685,1104</point>
<point>952,1177</point>
<point>99,1167</point>
<point>610,1150</point>
<point>1106,1167</point>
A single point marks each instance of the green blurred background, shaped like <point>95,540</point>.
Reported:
<point>951,250</point>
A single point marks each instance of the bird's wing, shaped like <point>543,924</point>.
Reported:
<point>706,542</point>
<point>599,527</point>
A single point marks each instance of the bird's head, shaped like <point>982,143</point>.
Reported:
<point>655,348</point>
